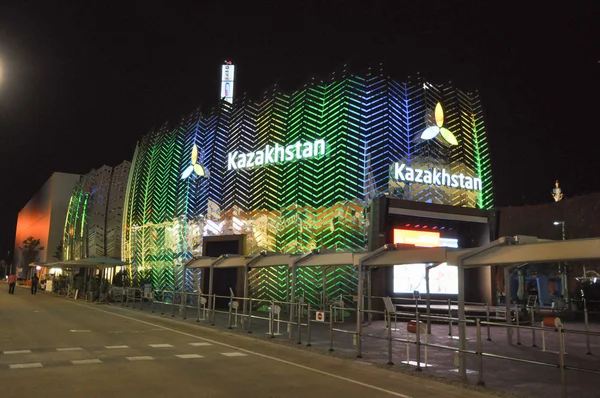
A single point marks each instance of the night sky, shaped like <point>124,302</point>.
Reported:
<point>83,81</point>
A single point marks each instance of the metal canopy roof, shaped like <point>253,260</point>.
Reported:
<point>534,252</point>
<point>504,251</point>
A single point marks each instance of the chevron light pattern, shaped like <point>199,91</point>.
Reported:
<point>368,122</point>
<point>94,216</point>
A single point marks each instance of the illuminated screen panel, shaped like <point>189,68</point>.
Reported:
<point>443,279</point>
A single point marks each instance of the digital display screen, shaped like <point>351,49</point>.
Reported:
<point>443,279</point>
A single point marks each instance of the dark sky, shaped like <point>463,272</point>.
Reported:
<point>84,80</point>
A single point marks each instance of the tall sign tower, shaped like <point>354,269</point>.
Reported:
<point>227,76</point>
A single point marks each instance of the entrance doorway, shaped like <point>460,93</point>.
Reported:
<point>225,278</point>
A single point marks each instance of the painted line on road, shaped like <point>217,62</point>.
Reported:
<point>200,344</point>
<point>234,354</point>
<point>160,345</point>
<point>17,352</point>
<point>79,331</point>
<point>86,361</point>
<point>308,368</point>
<point>70,349</point>
<point>144,358</point>
<point>26,365</point>
<point>189,356</point>
<point>116,347</point>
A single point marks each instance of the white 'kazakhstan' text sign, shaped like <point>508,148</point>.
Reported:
<point>435,176</point>
<point>275,154</point>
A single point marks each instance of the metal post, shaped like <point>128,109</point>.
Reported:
<point>389,337</point>
<point>271,323</point>
<point>162,306</point>
<point>507,306</point>
<point>462,326</point>
<point>198,304</point>
<point>518,328</point>
<point>249,313</point>
<point>308,332</point>
<point>211,299</point>
<point>487,318</point>
<point>449,317</point>
<point>418,369</point>
<point>428,300</point>
<point>141,300</point>
<point>533,330</point>
<point>245,304</point>
<point>214,307</point>
<point>230,309</point>
<point>359,313</point>
<point>587,327</point>
<point>299,323</point>
<point>369,297</point>
<point>480,381</point>
<point>173,305</point>
<point>561,358</point>
<point>292,298</point>
<point>184,304</point>
<point>152,303</point>
<point>330,328</point>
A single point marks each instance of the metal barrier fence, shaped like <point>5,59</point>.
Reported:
<point>301,318</point>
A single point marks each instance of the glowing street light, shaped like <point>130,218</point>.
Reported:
<point>557,193</point>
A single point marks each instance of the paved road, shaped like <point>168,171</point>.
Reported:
<point>56,347</point>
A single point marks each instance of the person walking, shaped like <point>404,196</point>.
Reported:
<point>34,283</point>
<point>12,281</point>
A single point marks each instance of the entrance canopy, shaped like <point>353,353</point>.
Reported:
<point>92,262</point>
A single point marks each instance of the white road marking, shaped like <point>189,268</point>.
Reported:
<point>189,356</point>
<point>17,352</point>
<point>200,344</point>
<point>140,358</point>
<point>86,361</point>
<point>70,349</point>
<point>26,365</point>
<point>234,354</point>
<point>308,368</point>
<point>160,345</point>
<point>79,331</point>
<point>116,347</point>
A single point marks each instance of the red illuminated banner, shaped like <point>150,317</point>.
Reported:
<point>417,238</point>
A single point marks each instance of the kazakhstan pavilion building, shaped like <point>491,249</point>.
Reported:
<point>346,163</point>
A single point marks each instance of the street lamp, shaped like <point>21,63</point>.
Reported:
<point>563,271</point>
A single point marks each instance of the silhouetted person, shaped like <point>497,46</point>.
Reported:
<point>12,281</point>
<point>34,284</point>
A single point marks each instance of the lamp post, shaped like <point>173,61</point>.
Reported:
<point>563,268</point>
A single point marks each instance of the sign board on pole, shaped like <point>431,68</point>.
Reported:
<point>320,316</point>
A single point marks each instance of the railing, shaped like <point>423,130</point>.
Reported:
<point>298,320</point>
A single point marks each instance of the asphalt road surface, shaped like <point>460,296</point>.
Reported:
<point>57,347</point>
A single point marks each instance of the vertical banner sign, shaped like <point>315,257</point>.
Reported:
<point>227,76</point>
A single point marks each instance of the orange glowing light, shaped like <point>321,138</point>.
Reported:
<point>417,238</point>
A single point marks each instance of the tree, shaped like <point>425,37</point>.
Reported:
<point>29,252</point>
<point>58,253</point>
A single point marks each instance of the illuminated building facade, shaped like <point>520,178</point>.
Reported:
<point>95,214</point>
<point>256,168</point>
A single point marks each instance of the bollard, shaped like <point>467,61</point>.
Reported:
<point>152,303</point>
<point>449,318</point>
<point>480,381</point>
<point>330,328</point>
<point>141,300</point>
<point>587,327</point>
<point>533,330</point>
<point>162,306</point>
<point>487,318</point>
<point>389,338</point>
<point>299,323</point>
<point>561,360</point>
<point>249,318</point>
<point>418,369</point>
<point>184,305</point>
<point>308,344</point>
<point>518,328</point>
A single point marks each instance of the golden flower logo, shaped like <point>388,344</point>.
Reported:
<point>195,167</point>
<point>432,132</point>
